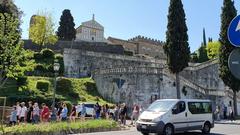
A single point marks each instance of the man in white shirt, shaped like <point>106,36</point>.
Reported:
<point>23,112</point>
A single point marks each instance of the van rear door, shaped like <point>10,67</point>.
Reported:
<point>199,112</point>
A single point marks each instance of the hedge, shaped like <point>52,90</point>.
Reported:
<point>43,85</point>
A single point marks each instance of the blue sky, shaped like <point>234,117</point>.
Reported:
<point>128,18</point>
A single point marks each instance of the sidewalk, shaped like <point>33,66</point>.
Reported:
<point>236,122</point>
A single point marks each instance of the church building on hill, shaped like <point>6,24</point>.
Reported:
<point>90,31</point>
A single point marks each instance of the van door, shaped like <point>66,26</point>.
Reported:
<point>179,117</point>
<point>198,114</point>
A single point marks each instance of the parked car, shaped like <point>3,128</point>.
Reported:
<point>89,109</point>
<point>169,116</point>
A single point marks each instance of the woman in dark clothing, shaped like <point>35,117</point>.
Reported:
<point>29,112</point>
<point>123,114</point>
<point>59,110</point>
<point>73,114</point>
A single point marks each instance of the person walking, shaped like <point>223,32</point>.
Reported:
<point>13,116</point>
<point>97,109</point>
<point>18,107</point>
<point>59,110</point>
<point>36,113</point>
<point>123,114</point>
<point>135,114</point>
<point>63,115</point>
<point>23,113</point>
<point>73,113</point>
<point>116,112</point>
<point>231,113</point>
<point>29,112</point>
<point>45,113</point>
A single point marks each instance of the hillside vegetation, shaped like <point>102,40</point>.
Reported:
<point>40,89</point>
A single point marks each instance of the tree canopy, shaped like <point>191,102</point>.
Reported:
<point>8,6</point>
<point>66,30</point>
<point>12,57</point>
<point>177,47</point>
<point>213,49</point>
<point>41,30</point>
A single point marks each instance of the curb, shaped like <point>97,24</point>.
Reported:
<point>229,123</point>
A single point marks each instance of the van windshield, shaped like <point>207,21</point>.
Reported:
<point>161,106</point>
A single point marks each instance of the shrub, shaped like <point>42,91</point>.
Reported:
<point>22,80</point>
<point>47,53</point>
<point>64,85</point>
<point>43,85</point>
<point>40,67</point>
<point>37,56</point>
<point>59,57</point>
<point>74,95</point>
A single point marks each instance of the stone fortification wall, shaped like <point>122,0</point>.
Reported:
<point>88,46</point>
<point>142,45</point>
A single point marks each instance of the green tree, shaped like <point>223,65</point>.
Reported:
<point>213,49</point>
<point>66,30</point>
<point>41,30</point>
<point>177,47</point>
<point>8,6</point>
<point>202,54</point>
<point>228,13</point>
<point>12,57</point>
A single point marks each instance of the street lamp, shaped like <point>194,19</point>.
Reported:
<point>56,67</point>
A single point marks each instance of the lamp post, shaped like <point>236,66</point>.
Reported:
<point>56,67</point>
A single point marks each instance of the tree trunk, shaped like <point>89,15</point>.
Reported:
<point>178,86</point>
<point>235,103</point>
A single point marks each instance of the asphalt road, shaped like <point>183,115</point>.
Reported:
<point>219,129</point>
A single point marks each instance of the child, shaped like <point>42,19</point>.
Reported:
<point>13,116</point>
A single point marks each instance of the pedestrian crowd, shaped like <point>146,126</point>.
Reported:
<point>35,113</point>
<point>224,112</point>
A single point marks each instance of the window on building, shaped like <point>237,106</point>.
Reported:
<point>92,38</point>
<point>200,107</point>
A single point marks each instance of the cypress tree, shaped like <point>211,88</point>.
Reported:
<point>204,38</point>
<point>177,47</point>
<point>228,13</point>
<point>66,30</point>
<point>202,54</point>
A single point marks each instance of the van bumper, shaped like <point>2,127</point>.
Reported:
<point>150,127</point>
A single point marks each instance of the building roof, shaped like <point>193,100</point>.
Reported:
<point>93,24</point>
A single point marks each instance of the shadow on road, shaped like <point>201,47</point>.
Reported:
<point>197,133</point>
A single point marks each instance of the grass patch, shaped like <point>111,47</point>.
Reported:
<point>61,127</point>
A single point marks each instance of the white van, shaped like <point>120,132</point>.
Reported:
<point>169,116</point>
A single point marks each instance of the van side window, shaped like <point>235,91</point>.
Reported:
<point>180,107</point>
<point>200,107</point>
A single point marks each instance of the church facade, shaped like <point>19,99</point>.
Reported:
<point>90,31</point>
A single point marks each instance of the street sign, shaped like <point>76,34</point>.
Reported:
<point>234,31</point>
<point>234,63</point>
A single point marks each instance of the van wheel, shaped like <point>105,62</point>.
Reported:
<point>206,128</point>
<point>145,133</point>
<point>168,130</point>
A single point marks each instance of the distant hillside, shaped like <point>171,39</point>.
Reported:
<point>68,89</point>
